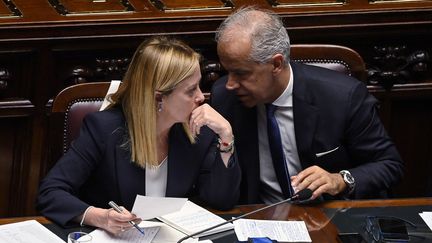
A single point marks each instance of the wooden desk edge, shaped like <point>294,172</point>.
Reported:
<point>377,203</point>
<point>246,208</point>
<point>40,219</point>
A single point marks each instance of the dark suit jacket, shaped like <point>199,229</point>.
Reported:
<point>97,169</point>
<point>330,110</point>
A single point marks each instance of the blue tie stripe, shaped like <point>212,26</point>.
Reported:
<point>278,157</point>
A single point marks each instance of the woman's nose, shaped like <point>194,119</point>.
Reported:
<point>200,96</point>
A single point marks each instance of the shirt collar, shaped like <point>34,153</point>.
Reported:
<point>285,99</point>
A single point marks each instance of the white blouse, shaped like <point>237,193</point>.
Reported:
<point>156,179</point>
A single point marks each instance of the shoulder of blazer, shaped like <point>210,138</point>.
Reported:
<point>108,121</point>
<point>311,82</point>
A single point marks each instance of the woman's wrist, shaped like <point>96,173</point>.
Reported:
<point>96,217</point>
<point>83,217</point>
<point>227,145</point>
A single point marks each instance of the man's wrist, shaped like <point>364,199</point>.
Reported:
<point>349,182</point>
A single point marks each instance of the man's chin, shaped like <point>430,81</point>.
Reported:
<point>247,102</point>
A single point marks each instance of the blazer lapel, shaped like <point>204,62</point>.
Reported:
<point>181,163</point>
<point>306,116</point>
<point>131,178</point>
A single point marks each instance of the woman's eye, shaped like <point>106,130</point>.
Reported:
<point>191,91</point>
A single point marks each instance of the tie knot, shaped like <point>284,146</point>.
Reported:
<point>270,108</point>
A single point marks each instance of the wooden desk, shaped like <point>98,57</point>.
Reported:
<point>320,227</point>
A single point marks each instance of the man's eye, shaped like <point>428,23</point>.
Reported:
<point>239,73</point>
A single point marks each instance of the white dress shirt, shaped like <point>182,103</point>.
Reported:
<point>270,189</point>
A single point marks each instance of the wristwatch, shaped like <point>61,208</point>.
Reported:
<point>349,181</point>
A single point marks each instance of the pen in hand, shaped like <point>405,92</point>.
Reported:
<point>114,206</point>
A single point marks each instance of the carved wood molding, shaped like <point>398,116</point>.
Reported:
<point>162,6</point>
<point>15,12</point>
<point>61,7</point>
<point>388,66</point>
<point>302,3</point>
<point>4,78</point>
<point>391,65</point>
<point>105,69</point>
<point>395,1</point>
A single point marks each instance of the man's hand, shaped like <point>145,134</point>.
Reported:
<point>319,181</point>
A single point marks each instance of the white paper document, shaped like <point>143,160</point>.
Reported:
<point>285,231</point>
<point>152,207</point>
<point>167,234</point>
<point>193,218</point>
<point>27,231</point>
<point>427,217</point>
<point>132,235</point>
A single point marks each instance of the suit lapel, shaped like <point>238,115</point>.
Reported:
<point>306,116</point>
<point>247,143</point>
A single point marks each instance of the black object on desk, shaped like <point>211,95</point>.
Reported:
<point>353,220</point>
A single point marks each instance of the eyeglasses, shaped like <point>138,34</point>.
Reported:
<point>388,228</point>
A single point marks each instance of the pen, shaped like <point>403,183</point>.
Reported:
<point>114,206</point>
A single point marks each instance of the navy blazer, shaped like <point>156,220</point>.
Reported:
<point>331,110</point>
<point>97,169</point>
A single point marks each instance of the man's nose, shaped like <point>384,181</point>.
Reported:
<point>232,83</point>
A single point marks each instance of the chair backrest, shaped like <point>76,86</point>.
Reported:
<point>74,102</point>
<point>338,58</point>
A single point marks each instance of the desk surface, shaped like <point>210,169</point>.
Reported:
<point>318,217</point>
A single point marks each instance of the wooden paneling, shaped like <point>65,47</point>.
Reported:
<point>47,45</point>
<point>14,164</point>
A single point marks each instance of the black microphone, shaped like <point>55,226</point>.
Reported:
<point>302,195</point>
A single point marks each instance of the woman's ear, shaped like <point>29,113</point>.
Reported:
<point>158,96</point>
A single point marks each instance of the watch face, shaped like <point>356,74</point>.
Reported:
<point>348,178</point>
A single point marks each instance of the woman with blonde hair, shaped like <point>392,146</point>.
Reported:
<point>157,138</point>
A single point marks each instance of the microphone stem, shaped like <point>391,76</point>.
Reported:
<point>236,218</point>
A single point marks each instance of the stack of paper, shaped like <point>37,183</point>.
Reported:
<point>427,217</point>
<point>282,231</point>
<point>193,218</point>
<point>27,231</point>
<point>132,235</point>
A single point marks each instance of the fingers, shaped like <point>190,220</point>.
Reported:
<point>205,115</point>
<point>317,180</point>
<point>197,121</point>
<point>119,222</point>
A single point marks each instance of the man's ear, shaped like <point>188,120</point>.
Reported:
<point>158,96</point>
<point>278,62</point>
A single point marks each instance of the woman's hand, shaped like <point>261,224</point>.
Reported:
<point>110,220</point>
<point>205,115</point>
